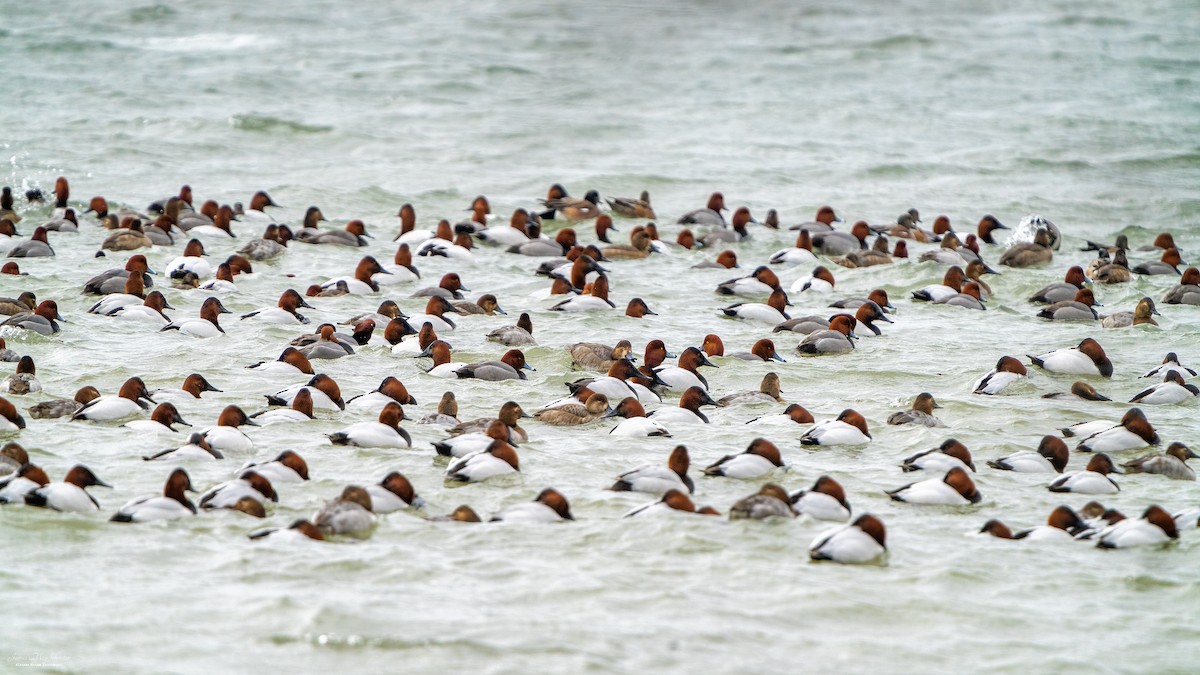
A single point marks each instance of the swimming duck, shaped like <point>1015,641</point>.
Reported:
<point>955,488</point>
<point>758,459</point>
<point>837,339</point>
<point>128,401</point>
<point>658,479</point>
<point>863,541</point>
<point>206,326</point>
<point>1094,480</point>
<point>1168,264</point>
<point>509,367</point>
<point>595,356</point>
<point>349,514</point>
<point>226,435</point>
<point>1188,290</point>
<point>1051,457</point>
<point>1086,359</point>
<point>1154,527</point>
<point>1170,391</point>
<point>710,215</point>
<point>768,392</point>
<point>771,501</point>
<point>70,494</point>
<point>941,459</point>
<point>821,281</point>
<point>386,432</point>
<point>762,281</point>
<point>512,336</point>
<point>826,500</point>
<point>362,282</point>
<point>773,311</point>
<point>849,428</point>
<point>1026,254</point>
<point>1170,363</point>
<point>635,423</point>
<point>1172,463</point>
<point>761,350</point>
<point>921,412</point>
<point>498,459</point>
<point>24,381</point>
<point>594,409</point>
<point>1080,308</point>
<point>1133,432</point>
<point>36,246</point>
<point>1063,290</point>
<point>64,407</point>
<point>549,507</point>
<point>43,320</point>
<point>1140,315</point>
<point>628,207</point>
<point>172,504</point>
<point>196,447</point>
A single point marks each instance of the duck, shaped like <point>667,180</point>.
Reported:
<point>68,223</point>
<point>771,501</point>
<point>384,433</point>
<point>849,428</point>
<point>1114,272</point>
<point>1008,370</point>
<point>134,294</point>
<point>354,234</point>
<point>12,456</point>
<point>25,302</point>
<point>190,261</point>
<point>595,300</point>
<point>272,244</point>
<point>1188,290</point>
<point>328,344</point>
<point>659,479</point>
<point>595,408</point>
<point>1061,527</point>
<point>640,246</point>
<point>151,309</point>
<point>514,336</point>
<point>394,493</point>
<point>474,441</point>
<point>6,206</point>
<point>26,479</point>
<point>762,350</point>
<point>1064,290</point>
<point>950,252</point>
<point>287,467</point>
<point>876,255</point>
<point>249,483</point>
<point>1133,432</point>
<point>1172,463</point>
<point>1088,358</point>
<point>971,297</point>
<point>688,411</point>
<point>863,541</point>
<point>284,311</point>
<point>941,459</point>
<point>36,246</point>
<point>1168,264</point>
<point>538,246</point>
<point>921,412</point>
<point>171,505</point>
<point>10,419</point>
<point>206,326</point>
<point>435,314</point>
<point>64,407</point>
<point>865,317</point>
<point>446,414</point>
<point>301,410</point>
<point>7,355</point>
<point>43,320</point>
<point>299,530</point>
<point>635,423</point>
<point>768,392</point>
<point>573,208</point>
<point>1141,314</point>
<point>1171,390</point>
<point>1081,389</point>
<point>402,270</point>
<point>194,448</point>
<point>290,362</point>
<point>596,356</point>
<point>638,309</point>
<point>1027,254</point>
<point>1169,363</point>
<point>1080,308</point>
<point>161,418</point>
<point>834,243</point>
<point>362,282</point>
<point>1094,480</point>
<point>760,458</point>
<point>498,459</point>
<point>350,513</point>
<point>510,414</point>
<point>509,367</point>
<point>389,390</point>
<point>836,339</point>
<point>672,502</point>
<point>737,233</point>
<point>952,282</point>
<point>955,488</point>
<point>826,500</point>
<point>684,375</point>
<point>24,381</point>
<point>449,287</point>
<point>439,351</point>
<point>549,507</point>
<point>762,281</point>
<point>1154,527</point>
<point>773,311</point>
<point>1050,457</point>
<point>70,494</point>
<point>326,394</point>
<point>793,414</point>
<point>628,207</point>
<point>800,254</point>
<point>821,281</point>
<point>710,215</point>
<point>128,401</point>
<point>226,435</point>
<point>486,305</point>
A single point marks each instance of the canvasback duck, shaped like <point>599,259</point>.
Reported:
<point>301,410</point>
<point>685,374</point>
<point>865,317</point>
<point>600,357</point>
<point>948,455</point>
<point>226,435</point>
<point>361,283</point>
<point>800,254</point>
<point>761,350</point>
<point>43,320</point>
<point>955,488</point>
<point>439,351</point>
<point>24,381</point>
<point>408,223</point>
<point>1081,389</point>
<point>688,411</point>
<point>1168,264</point>
<point>1063,290</point>
<point>604,225</point>
<point>284,311</point>
<point>222,283</point>
<point>249,483</point>
<point>549,507</point>
<point>62,407</point>
<point>510,413</point>
<point>12,456</point>
<point>658,479</point>
<point>837,339</point>
<point>1154,527</point>
<point>475,441</point>
<point>760,458</point>
<point>1061,527</point>
<point>536,247</point>
<point>826,500</point>
<point>514,336</point>
<point>447,412</point>
<point>127,402</point>
<point>1170,363</point>
<point>773,311</point>
<point>150,310</point>
<point>771,501</point>
<point>290,362</point>
<point>793,414</point>
<point>709,215</point>
<point>349,514</point>
<point>25,302</point>
<point>10,419</point>
<point>498,459</point>
<point>595,408</point>
<point>194,448</point>
<point>394,493</point>
<point>921,413</point>
<point>26,479</point>
<point>1094,480</point>
<point>172,504</point>
<point>221,226</point>
<point>69,495</point>
<point>354,234</point>
<point>509,367</point>
<point>1188,290</point>
<point>1030,254</point>
<point>206,326</point>
<point>726,260</point>
<point>299,530</point>
<point>1172,463</point>
<point>1080,308</point>
<point>257,212</point>
<point>672,502</point>
<point>971,297</point>
<point>134,294</point>
<point>762,281</point>
<point>952,282</point>
<point>287,467</point>
<point>513,234</point>
<point>878,296</point>
<point>835,243</point>
<point>821,281</point>
<point>326,394</point>
<point>849,428</point>
<point>193,386</point>
<point>635,423</point>
<point>1142,314</point>
<point>987,227</point>
<point>389,390</point>
<point>628,207</point>
<point>435,310</point>
<point>190,261</point>
<point>386,432</point>
<point>1132,433</point>
<point>1051,457</point>
<point>449,287</point>
<point>36,246</point>
<point>768,392</point>
<point>487,305</point>
<point>1086,359</point>
<point>863,541</point>
<point>161,419</point>
<point>272,244</point>
<point>585,302</point>
<point>1170,391</point>
<point>1007,371</point>
<point>402,270</point>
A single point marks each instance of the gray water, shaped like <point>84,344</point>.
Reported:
<point>1087,113</point>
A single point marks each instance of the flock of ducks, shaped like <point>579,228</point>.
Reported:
<point>645,393</point>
